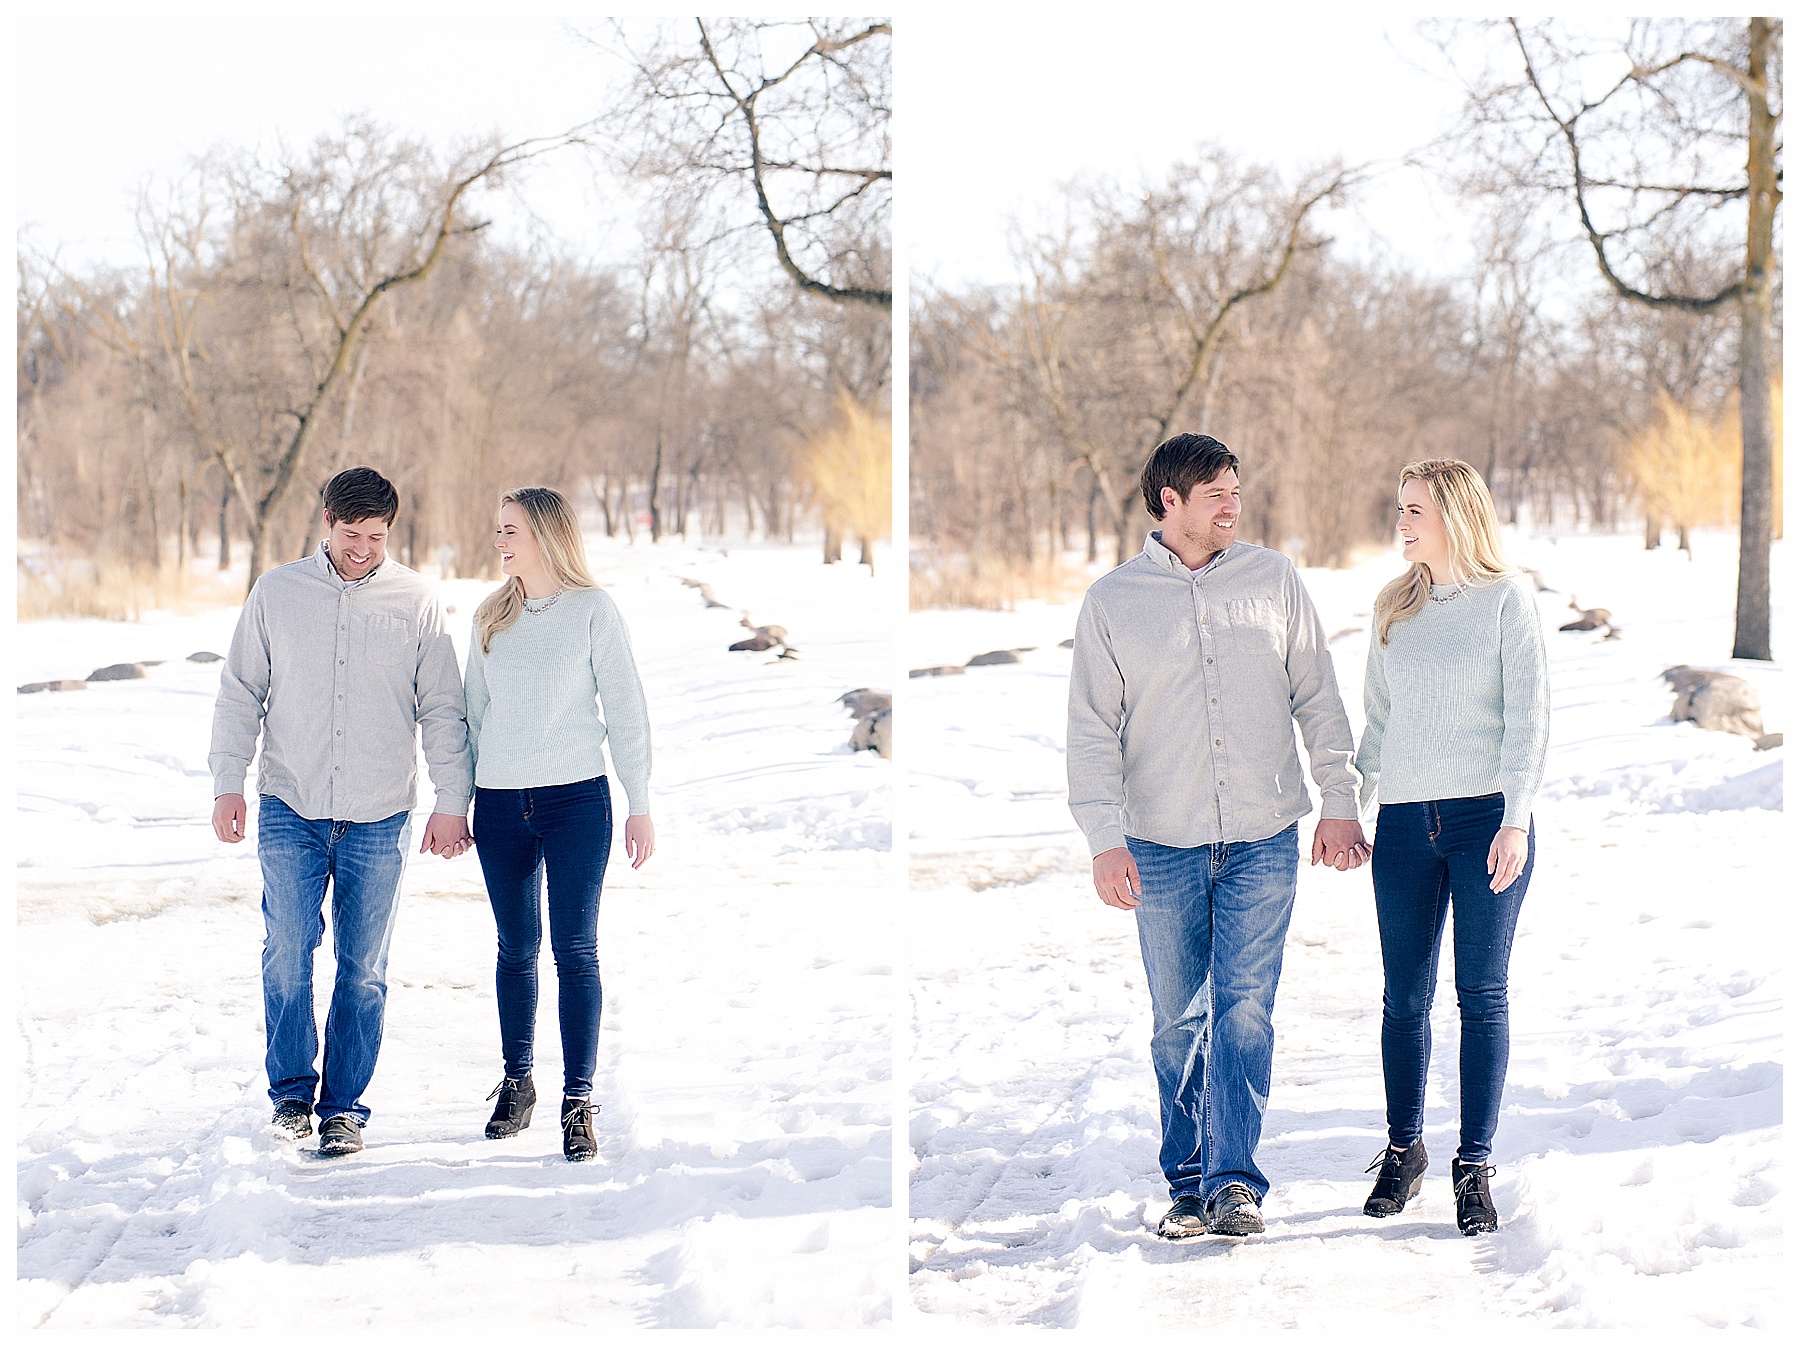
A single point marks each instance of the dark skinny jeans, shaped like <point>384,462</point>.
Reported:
<point>561,833</point>
<point>1430,857</point>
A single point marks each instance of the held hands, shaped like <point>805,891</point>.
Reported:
<point>1116,878</point>
<point>1506,857</point>
<point>446,834</point>
<point>640,839</point>
<point>1339,842</point>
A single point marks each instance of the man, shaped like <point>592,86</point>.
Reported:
<point>1193,662</point>
<point>338,662</point>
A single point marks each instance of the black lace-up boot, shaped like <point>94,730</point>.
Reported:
<point>578,1130</point>
<point>1401,1173</point>
<point>512,1114</point>
<point>1475,1213</point>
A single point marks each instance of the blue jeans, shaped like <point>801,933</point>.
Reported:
<point>362,863</point>
<point>1430,857</point>
<point>561,833</point>
<point>1212,921</point>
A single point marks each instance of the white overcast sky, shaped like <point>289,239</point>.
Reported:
<point>994,110</point>
<point>998,112</point>
<point>105,99</point>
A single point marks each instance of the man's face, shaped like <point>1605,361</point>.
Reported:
<point>357,548</point>
<point>1207,519</point>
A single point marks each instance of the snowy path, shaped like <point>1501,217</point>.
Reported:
<point>745,1048</point>
<point>1638,1151</point>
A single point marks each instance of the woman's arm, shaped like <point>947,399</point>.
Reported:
<point>1525,704</point>
<point>475,694</point>
<point>622,701</point>
<point>1375,716</point>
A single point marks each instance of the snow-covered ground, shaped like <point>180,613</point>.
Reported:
<point>745,1057</point>
<point>1639,1179</point>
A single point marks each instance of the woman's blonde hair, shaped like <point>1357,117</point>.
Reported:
<point>555,529</point>
<point>1471,527</point>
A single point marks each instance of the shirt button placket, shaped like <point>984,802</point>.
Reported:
<point>340,680</point>
<point>1210,676</point>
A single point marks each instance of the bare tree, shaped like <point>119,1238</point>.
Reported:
<point>785,126</point>
<point>1121,327</point>
<point>345,306</point>
<point>1641,138</point>
<point>317,244</point>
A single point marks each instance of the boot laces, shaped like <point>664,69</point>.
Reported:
<point>1472,1181</point>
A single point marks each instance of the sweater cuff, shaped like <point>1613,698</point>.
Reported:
<point>1518,812</point>
<point>456,806</point>
<point>1339,806</point>
<point>229,781</point>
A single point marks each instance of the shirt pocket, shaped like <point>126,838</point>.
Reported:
<point>387,640</point>
<point>1256,628</point>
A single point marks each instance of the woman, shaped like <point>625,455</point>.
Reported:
<point>544,645</point>
<point>1458,716</point>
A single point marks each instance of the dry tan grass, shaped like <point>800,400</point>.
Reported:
<point>116,590</point>
<point>990,582</point>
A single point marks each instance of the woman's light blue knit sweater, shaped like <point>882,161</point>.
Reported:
<point>1458,701</point>
<point>532,717</point>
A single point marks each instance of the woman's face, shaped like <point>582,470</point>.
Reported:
<point>1422,535</point>
<point>519,551</point>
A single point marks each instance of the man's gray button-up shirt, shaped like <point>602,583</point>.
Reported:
<point>1183,698</point>
<point>341,680</point>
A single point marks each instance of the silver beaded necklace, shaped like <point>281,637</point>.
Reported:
<point>549,602</point>
<point>1462,587</point>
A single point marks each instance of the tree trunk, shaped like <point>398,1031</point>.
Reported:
<point>868,553</point>
<point>225,527</point>
<point>655,487</point>
<point>185,523</point>
<point>1653,531</point>
<point>773,516</point>
<point>1756,520</point>
<point>834,544</point>
<point>1122,542</point>
<point>153,539</point>
<point>1093,537</point>
<point>259,551</point>
<point>604,496</point>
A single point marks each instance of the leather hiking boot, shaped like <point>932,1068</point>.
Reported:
<point>1475,1213</point>
<point>294,1116</point>
<point>1234,1210</point>
<point>1186,1219</point>
<point>512,1114</point>
<point>1402,1171</point>
<point>339,1135</point>
<point>578,1130</point>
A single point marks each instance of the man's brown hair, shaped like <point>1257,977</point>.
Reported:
<point>1181,463</point>
<point>359,493</point>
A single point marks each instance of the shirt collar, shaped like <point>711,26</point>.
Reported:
<point>330,571</point>
<point>1167,560</point>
